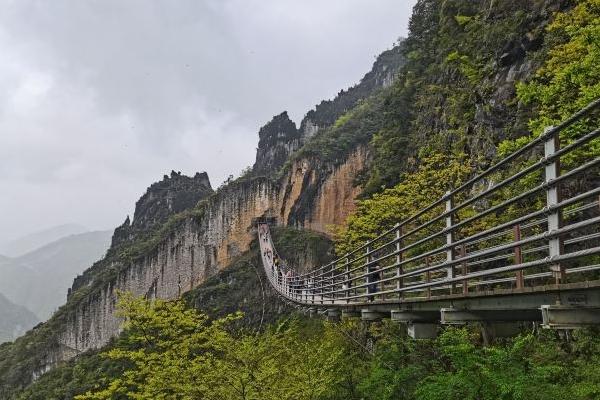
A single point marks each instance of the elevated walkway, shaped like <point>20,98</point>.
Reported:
<point>518,242</point>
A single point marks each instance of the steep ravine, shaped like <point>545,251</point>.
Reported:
<point>201,247</point>
<point>183,233</point>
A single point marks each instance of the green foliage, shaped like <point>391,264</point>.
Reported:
<point>342,120</point>
<point>436,175</point>
<point>169,351</point>
<point>527,367</point>
<point>356,127</point>
<point>177,353</point>
<point>446,99</point>
<point>462,20</point>
<point>568,80</point>
<point>73,378</point>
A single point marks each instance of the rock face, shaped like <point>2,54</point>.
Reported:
<point>382,75</point>
<point>317,197</point>
<point>276,141</point>
<point>201,247</point>
<point>196,250</point>
<point>312,194</point>
<point>171,195</point>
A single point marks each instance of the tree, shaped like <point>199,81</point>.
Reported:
<point>177,353</point>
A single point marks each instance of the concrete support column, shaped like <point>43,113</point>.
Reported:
<point>422,330</point>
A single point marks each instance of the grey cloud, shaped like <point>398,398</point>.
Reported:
<point>99,98</point>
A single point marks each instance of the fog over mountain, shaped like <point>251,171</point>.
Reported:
<point>14,320</point>
<point>39,280</point>
<point>98,99</point>
<point>19,246</point>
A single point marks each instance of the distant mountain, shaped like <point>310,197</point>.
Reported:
<point>15,320</point>
<point>39,280</point>
<point>25,244</point>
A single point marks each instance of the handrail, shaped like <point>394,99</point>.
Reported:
<point>383,270</point>
<point>544,161</point>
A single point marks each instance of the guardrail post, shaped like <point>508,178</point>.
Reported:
<point>465,268</point>
<point>519,278</point>
<point>428,276</point>
<point>347,277</point>
<point>332,287</point>
<point>450,272</point>
<point>551,172</point>
<point>307,288</point>
<point>367,266</point>
<point>398,261</point>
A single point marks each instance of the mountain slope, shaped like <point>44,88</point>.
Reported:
<point>27,243</point>
<point>39,280</point>
<point>166,251</point>
<point>461,75</point>
<point>14,320</point>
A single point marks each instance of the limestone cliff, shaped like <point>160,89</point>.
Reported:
<point>316,196</point>
<point>171,195</point>
<point>183,233</point>
<point>203,245</point>
<point>382,75</point>
<point>276,141</point>
<point>196,249</point>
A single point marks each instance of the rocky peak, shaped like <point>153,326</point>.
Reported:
<point>277,140</point>
<point>173,194</point>
<point>122,233</point>
<point>381,75</point>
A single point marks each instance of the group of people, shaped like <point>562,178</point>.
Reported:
<point>286,276</point>
<point>277,268</point>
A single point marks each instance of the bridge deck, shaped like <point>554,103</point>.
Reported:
<point>535,246</point>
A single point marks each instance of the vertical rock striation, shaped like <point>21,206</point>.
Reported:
<point>276,141</point>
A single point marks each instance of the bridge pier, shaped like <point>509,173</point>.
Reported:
<point>350,314</point>
<point>453,316</point>
<point>415,316</point>
<point>333,314</point>
<point>492,330</point>
<point>569,316</point>
<point>422,330</point>
<point>372,315</point>
<point>419,324</point>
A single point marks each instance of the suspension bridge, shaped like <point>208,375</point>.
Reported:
<point>519,242</point>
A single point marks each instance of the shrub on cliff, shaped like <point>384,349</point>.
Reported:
<point>177,353</point>
<point>382,211</point>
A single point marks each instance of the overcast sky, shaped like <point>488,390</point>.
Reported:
<point>98,99</point>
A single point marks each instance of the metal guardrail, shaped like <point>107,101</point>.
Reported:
<point>537,225</point>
